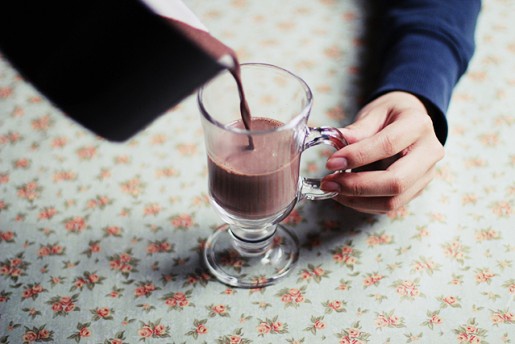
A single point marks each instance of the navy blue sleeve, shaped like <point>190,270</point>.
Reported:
<point>427,47</point>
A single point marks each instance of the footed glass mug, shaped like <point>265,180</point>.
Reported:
<point>254,188</point>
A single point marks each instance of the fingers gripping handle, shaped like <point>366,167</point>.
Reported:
<point>310,187</point>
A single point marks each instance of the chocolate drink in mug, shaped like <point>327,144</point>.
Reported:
<point>255,183</point>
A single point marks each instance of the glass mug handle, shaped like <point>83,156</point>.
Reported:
<point>310,187</point>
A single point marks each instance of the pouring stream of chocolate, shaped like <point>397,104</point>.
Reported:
<point>221,53</point>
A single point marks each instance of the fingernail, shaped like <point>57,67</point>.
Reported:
<point>337,164</point>
<point>330,187</point>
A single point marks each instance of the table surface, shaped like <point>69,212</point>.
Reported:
<point>100,241</point>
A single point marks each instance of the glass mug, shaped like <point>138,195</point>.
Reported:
<point>253,189</point>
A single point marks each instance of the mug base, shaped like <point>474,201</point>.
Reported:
<point>236,269</point>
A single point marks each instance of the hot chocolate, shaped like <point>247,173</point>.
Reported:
<point>255,183</point>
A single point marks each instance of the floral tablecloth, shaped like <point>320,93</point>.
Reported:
<point>100,242</point>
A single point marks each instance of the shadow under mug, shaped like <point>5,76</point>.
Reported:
<point>254,188</point>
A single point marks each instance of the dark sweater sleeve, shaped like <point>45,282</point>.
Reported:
<point>427,47</point>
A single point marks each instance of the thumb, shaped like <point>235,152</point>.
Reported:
<point>367,124</point>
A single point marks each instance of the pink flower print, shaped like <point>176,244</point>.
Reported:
<point>57,307</point>
<point>511,287</point>
<point>502,317</point>
<point>451,301</point>
<point>389,320</point>
<point>145,332</point>
<point>26,294</point>
<point>29,191</point>
<point>42,123</point>
<point>379,239</point>
<point>346,255</point>
<point>318,271</point>
<point>312,272</point>
<point>3,205</point>
<point>201,329</point>
<point>293,218</point>
<point>29,337</point>
<point>4,178</point>
<point>182,221</point>
<point>381,321</point>
<point>305,275</point>
<point>62,305</point>
<point>6,92</point>
<point>336,113</point>
<point>484,275</point>
<point>271,326</point>
<point>354,332</point>
<point>11,137</point>
<point>44,334</point>
<point>229,291</point>
<point>60,176</point>
<point>343,285</point>
<point>133,187</point>
<point>145,289</point>
<point>158,139</point>
<point>159,330</point>
<point>219,309</point>
<point>292,297</point>
<point>353,335</point>
<point>103,312</point>
<point>7,236</point>
<point>277,326</point>
<point>94,247</point>
<point>330,225</point>
<point>470,333</point>
<point>372,279</point>
<point>47,213</point>
<point>166,172</point>
<point>263,328</point>
<point>456,250</point>
<point>490,139</point>
<point>407,289</point>
<point>122,159</point>
<point>59,142</point>
<point>502,209</point>
<point>334,306</point>
<point>159,246</point>
<point>152,248</point>
<point>32,291</point>
<point>113,231</point>
<point>86,152</point>
<point>235,339</point>
<point>84,332</point>
<point>435,319</point>
<point>398,214</point>
<point>487,234</point>
<point>286,298</point>
<point>425,265</point>
<point>75,224</point>
<point>153,330</point>
<point>231,258</point>
<point>22,163</point>
<point>152,209</point>
<point>187,149</point>
<point>319,325</point>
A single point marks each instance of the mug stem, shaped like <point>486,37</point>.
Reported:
<point>252,247</point>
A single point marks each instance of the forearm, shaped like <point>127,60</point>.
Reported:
<point>427,47</point>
